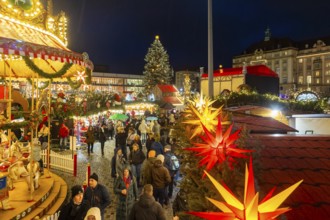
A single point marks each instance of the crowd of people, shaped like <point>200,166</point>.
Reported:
<point>144,168</point>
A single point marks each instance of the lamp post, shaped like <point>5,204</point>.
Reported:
<point>210,49</point>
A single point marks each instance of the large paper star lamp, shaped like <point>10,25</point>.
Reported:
<point>218,148</point>
<point>250,209</point>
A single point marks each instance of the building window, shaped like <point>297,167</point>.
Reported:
<point>300,60</point>
<point>317,73</point>
<point>317,64</point>
<point>300,80</point>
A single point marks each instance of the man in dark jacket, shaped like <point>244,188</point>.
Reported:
<point>77,208</point>
<point>97,194</point>
<point>147,208</point>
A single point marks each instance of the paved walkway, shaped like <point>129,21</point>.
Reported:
<point>101,166</point>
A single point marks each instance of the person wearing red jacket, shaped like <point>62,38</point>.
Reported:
<point>63,135</point>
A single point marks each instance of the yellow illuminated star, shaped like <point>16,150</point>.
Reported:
<point>233,209</point>
<point>200,111</point>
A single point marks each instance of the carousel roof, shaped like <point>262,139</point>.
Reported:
<point>19,40</point>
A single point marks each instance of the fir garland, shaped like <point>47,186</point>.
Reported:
<point>43,74</point>
<point>73,85</point>
<point>46,84</point>
<point>14,125</point>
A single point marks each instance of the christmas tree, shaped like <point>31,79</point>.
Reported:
<point>206,142</point>
<point>219,151</point>
<point>157,69</point>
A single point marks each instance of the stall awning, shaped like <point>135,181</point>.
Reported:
<point>18,39</point>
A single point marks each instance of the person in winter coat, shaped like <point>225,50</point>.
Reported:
<point>127,192</point>
<point>156,129</point>
<point>160,177</point>
<point>121,140</point>
<point>97,194</point>
<point>147,166</point>
<point>63,135</point>
<point>102,137</point>
<point>118,163</point>
<point>111,129</point>
<point>149,141</point>
<point>143,128</point>
<point>157,146</point>
<point>130,137</point>
<point>77,208</point>
<point>43,133</point>
<point>93,213</point>
<point>147,208</point>
<point>137,141</point>
<point>136,159</point>
<point>90,139</point>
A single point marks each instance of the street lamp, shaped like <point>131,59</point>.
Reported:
<point>210,49</point>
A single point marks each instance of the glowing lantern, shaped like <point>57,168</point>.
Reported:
<point>250,209</point>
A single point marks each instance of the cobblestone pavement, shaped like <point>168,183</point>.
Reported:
<point>100,165</point>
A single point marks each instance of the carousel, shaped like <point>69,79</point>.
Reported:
<point>33,49</point>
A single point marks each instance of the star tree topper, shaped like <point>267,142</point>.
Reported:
<point>233,209</point>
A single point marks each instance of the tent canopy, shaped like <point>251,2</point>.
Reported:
<point>45,50</point>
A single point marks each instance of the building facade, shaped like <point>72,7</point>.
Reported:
<point>300,65</point>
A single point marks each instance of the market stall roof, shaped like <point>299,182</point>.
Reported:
<point>286,159</point>
<point>259,70</point>
<point>19,40</point>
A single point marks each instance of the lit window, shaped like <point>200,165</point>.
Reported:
<point>317,81</point>
<point>300,60</point>
<point>317,73</point>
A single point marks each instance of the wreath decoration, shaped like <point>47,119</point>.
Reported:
<point>40,72</point>
<point>72,84</point>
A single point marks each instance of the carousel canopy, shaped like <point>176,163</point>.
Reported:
<point>33,44</point>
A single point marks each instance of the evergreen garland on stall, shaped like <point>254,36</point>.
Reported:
<point>43,74</point>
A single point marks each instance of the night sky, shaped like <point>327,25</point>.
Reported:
<point>118,33</point>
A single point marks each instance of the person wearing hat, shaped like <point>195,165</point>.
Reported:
<point>77,208</point>
<point>93,214</point>
<point>97,194</point>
